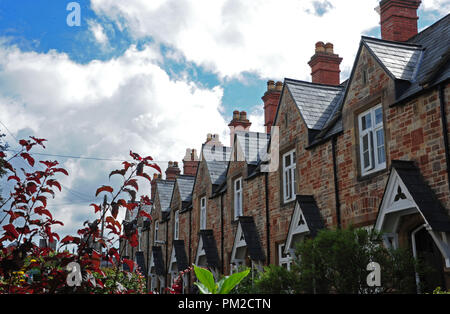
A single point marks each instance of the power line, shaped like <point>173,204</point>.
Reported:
<point>85,158</point>
<point>9,131</point>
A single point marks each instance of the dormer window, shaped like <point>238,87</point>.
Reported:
<point>289,176</point>
<point>371,140</point>
<point>176,232</point>
<point>238,198</point>
<point>203,213</point>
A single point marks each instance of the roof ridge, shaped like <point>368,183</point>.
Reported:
<point>314,84</point>
<point>392,43</point>
<point>429,28</point>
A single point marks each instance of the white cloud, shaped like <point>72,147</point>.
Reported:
<point>272,38</point>
<point>442,6</point>
<point>103,109</point>
<point>98,32</point>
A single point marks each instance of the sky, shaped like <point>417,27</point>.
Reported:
<point>156,76</point>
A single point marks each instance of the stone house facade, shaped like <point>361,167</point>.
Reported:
<point>371,151</point>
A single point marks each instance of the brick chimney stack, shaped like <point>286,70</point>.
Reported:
<point>325,65</point>
<point>239,123</point>
<point>156,177</point>
<point>398,19</point>
<point>271,98</point>
<point>190,162</point>
<point>172,171</point>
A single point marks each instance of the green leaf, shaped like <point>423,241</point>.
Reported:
<point>202,288</point>
<point>232,281</point>
<point>206,278</point>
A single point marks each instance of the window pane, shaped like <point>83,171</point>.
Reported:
<point>381,155</point>
<point>287,160</point>
<point>366,122</point>
<point>380,138</point>
<point>378,116</point>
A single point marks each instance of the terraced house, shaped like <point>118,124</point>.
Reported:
<point>371,151</point>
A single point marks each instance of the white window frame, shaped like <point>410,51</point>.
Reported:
<point>156,230</point>
<point>289,177</point>
<point>284,260</point>
<point>176,228</point>
<point>372,142</point>
<point>203,213</point>
<point>238,199</point>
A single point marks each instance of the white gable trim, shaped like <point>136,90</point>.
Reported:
<point>173,260</point>
<point>296,227</point>
<point>200,251</point>
<point>239,241</point>
<point>398,202</point>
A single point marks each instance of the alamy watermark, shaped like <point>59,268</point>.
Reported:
<point>74,17</point>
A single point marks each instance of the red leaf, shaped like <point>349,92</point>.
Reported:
<point>110,220</point>
<point>31,188</point>
<point>67,239</point>
<point>121,172</point>
<point>133,183</point>
<point>96,207</point>
<point>49,163</point>
<point>143,213</point>
<point>130,264</point>
<point>135,156</point>
<point>155,166</point>
<point>53,183</point>
<point>39,140</point>
<point>42,211</point>
<point>11,230</point>
<point>2,155</point>
<point>14,178</point>
<point>61,170</point>
<point>126,165</point>
<point>42,199</point>
<point>145,176</point>
<point>104,188</point>
<point>28,158</point>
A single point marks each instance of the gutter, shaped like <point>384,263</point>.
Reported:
<point>221,234</point>
<point>444,129</point>
<point>266,185</point>
<point>190,245</point>
<point>336,183</point>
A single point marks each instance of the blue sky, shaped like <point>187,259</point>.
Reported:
<point>157,76</point>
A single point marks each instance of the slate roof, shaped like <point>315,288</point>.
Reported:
<point>217,158</point>
<point>180,255</point>
<point>421,62</point>
<point>253,145</point>
<point>210,247</point>
<point>317,102</point>
<point>400,59</point>
<point>433,211</point>
<point>140,261</point>
<point>158,260</point>
<point>164,189</point>
<point>311,212</point>
<point>185,186</point>
<point>251,237</point>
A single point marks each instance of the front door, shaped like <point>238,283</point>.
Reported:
<point>428,253</point>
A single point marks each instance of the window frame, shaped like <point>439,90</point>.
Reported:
<point>176,227</point>
<point>156,230</point>
<point>284,260</point>
<point>291,170</point>
<point>373,145</point>
<point>238,211</point>
<point>203,213</point>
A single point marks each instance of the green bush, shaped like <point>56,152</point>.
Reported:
<point>335,261</point>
